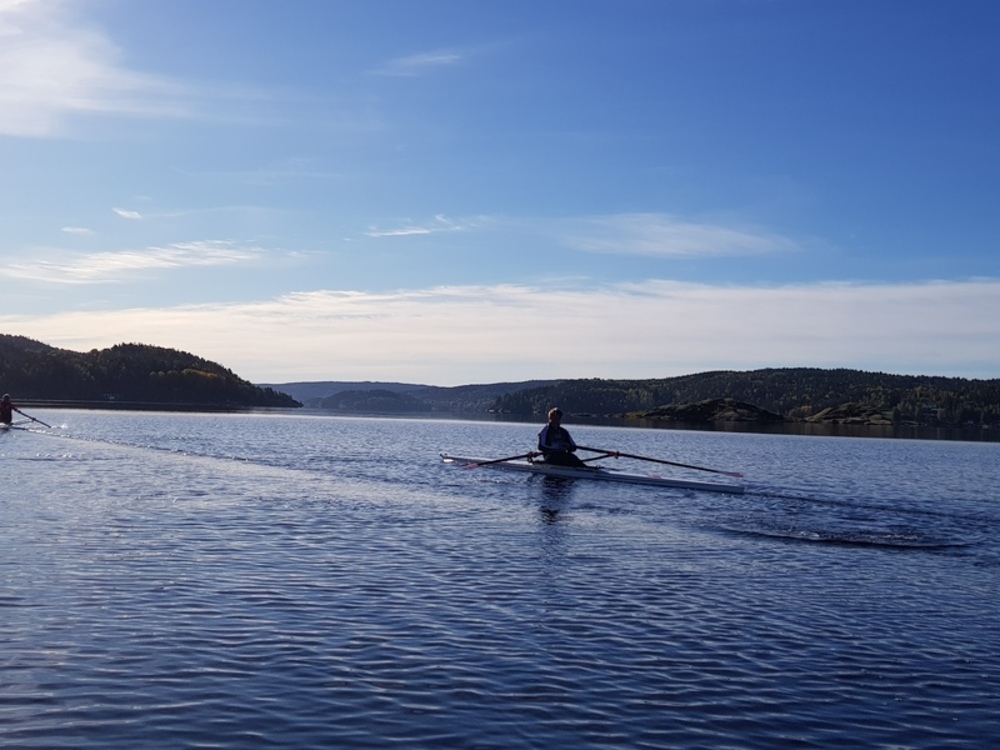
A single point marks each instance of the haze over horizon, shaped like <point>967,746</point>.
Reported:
<point>451,193</point>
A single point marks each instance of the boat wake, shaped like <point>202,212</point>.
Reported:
<point>856,538</point>
<point>865,522</point>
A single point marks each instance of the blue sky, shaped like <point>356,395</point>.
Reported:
<point>452,192</point>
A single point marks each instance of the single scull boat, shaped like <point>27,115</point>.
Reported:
<point>600,473</point>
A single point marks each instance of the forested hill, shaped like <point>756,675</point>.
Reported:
<point>126,373</point>
<point>794,393</point>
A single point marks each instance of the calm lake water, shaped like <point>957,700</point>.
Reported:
<point>295,581</point>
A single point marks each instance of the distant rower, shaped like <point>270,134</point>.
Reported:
<point>7,410</point>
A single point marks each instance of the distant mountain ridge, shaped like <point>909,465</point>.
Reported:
<point>330,394</point>
<point>315,391</point>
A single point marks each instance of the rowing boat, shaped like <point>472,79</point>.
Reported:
<point>599,473</point>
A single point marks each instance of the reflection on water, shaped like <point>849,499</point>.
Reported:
<point>556,493</point>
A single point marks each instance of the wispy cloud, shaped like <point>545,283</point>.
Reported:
<point>440,223</point>
<point>52,65</point>
<point>101,268</point>
<point>128,214</point>
<point>418,65</point>
<point>404,232</point>
<point>468,334</point>
<point>667,236</point>
<point>83,231</point>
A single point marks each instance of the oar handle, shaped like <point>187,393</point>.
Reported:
<point>660,461</point>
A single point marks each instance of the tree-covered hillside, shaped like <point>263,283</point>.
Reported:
<point>135,373</point>
<point>795,393</point>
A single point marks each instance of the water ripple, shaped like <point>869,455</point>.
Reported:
<point>169,598</point>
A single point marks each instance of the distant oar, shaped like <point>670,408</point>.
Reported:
<point>660,461</point>
<point>500,460</point>
<point>33,419</point>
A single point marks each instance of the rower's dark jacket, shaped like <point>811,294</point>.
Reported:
<point>554,439</point>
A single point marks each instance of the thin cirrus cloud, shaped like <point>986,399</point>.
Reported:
<point>638,234</point>
<point>667,236</point>
<point>108,267</point>
<point>439,224</point>
<point>419,64</point>
<point>466,334</point>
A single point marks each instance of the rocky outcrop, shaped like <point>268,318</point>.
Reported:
<point>710,410</point>
<point>852,414</point>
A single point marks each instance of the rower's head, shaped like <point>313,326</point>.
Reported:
<point>555,414</point>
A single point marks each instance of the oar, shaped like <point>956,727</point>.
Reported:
<point>501,460</point>
<point>660,461</point>
<point>33,419</point>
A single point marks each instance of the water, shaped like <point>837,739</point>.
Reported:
<point>295,581</point>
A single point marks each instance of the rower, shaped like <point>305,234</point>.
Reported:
<point>555,443</point>
<point>7,410</point>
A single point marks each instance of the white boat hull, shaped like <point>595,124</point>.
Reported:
<point>598,473</point>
